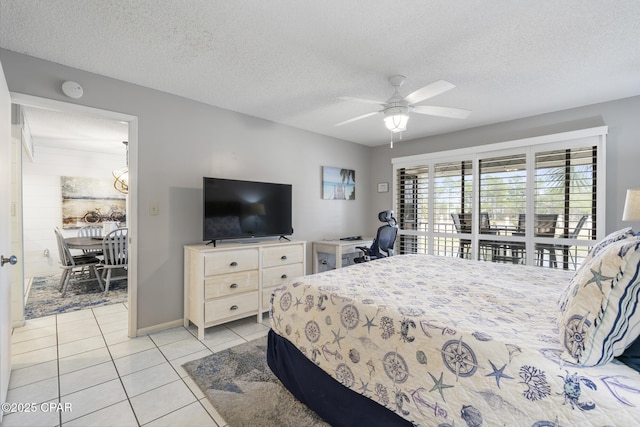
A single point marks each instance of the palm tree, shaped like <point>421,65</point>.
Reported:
<point>348,175</point>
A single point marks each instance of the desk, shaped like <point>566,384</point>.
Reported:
<point>337,248</point>
<point>86,243</point>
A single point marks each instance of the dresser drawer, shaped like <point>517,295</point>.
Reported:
<point>281,255</point>
<point>275,276</point>
<point>224,262</point>
<point>231,306</point>
<point>229,284</point>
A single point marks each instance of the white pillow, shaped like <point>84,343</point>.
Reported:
<point>624,233</point>
<point>599,313</point>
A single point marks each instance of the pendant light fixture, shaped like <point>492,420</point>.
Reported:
<point>121,175</point>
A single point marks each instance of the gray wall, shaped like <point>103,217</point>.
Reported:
<point>623,147</point>
<point>179,142</point>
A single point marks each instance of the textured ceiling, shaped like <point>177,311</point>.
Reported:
<point>289,61</point>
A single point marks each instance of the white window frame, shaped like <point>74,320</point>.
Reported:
<point>574,139</point>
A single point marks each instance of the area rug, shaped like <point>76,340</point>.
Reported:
<point>44,299</point>
<point>242,388</point>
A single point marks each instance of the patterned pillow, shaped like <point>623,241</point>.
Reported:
<point>624,233</point>
<point>616,236</point>
<point>599,313</point>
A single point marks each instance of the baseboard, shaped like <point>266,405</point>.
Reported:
<point>18,324</point>
<point>160,327</point>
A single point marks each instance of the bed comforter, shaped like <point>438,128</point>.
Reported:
<point>445,341</point>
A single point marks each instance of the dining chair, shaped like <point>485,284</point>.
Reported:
<point>115,249</point>
<point>91,231</point>
<point>80,268</point>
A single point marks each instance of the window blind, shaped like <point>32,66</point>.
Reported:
<point>502,186</point>
<point>412,208</point>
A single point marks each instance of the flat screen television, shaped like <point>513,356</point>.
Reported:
<point>234,209</point>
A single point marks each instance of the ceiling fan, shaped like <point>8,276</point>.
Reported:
<point>397,108</point>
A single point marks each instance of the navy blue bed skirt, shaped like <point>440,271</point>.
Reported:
<point>335,403</point>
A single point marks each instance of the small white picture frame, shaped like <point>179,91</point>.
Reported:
<point>383,187</point>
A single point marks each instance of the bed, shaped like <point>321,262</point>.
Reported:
<point>440,341</point>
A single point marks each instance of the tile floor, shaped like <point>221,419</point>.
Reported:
<point>87,372</point>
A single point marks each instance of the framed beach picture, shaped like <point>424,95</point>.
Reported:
<point>338,183</point>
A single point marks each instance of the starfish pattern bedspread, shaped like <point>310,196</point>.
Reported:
<point>450,342</point>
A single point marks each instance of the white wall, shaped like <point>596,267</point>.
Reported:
<point>179,142</point>
<point>42,199</point>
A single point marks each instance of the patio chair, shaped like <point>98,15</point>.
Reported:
<point>566,249</point>
<point>544,226</point>
<point>462,223</point>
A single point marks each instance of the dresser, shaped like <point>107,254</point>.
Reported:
<point>235,280</point>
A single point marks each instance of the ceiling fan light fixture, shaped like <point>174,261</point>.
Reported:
<point>396,109</point>
<point>396,118</point>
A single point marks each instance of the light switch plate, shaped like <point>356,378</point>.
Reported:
<point>153,208</point>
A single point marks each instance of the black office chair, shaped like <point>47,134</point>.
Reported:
<point>382,245</point>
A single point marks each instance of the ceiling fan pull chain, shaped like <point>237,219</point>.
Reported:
<point>391,144</point>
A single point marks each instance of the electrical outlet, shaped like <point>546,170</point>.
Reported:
<point>153,208</point>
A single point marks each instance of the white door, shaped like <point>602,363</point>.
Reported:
<point>5,237</point>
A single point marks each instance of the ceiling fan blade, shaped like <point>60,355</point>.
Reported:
<point>366,101</point>
<point>356,118</point>
<point>453,113</point>
<point>429,91</point>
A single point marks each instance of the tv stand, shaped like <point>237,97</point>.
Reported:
<point>213,242</point>
<point>235,280</point>
<point>285,238</point>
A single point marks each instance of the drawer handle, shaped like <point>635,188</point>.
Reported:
<point>233,264</point>
<point>233,285</point>
<point>284,276</point>
<point>233,307</point>
<point>283,257</point>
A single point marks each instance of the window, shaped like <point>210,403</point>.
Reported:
<point>478,204</point>
<point>412,212</point>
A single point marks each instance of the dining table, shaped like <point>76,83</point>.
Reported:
<point>85,242</point>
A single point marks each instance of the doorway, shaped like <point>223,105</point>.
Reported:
<point>58,149</point>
